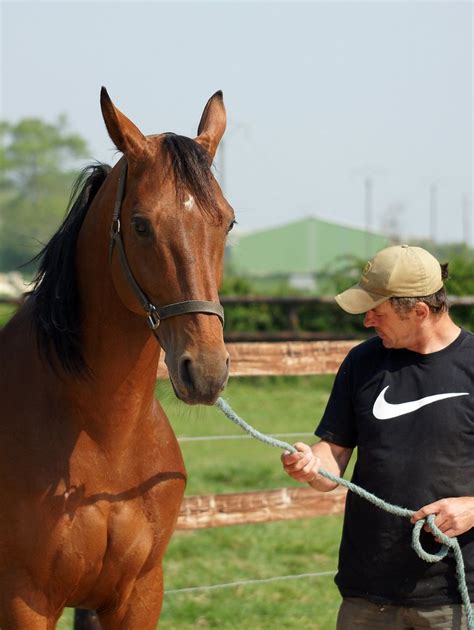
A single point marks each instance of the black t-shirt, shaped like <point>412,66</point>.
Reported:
<point>411,450</point>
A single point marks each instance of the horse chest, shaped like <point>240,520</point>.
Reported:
<point>106,532</point>
<point>101,549</point>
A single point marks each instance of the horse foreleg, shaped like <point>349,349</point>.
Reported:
<point>86,620</point>
<point>143,607</point>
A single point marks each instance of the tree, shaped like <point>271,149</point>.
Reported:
<point>38,162</point>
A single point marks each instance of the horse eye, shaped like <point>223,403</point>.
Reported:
<point>234,222</point>
<point>142,226</point>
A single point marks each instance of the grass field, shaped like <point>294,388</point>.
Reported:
<point>6,312</point>
<point>250,552</point>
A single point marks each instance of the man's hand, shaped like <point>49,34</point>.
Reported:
<point>302,466</point>
<point>454,515</point>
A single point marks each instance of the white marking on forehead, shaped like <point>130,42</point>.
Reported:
<point>189,203</point>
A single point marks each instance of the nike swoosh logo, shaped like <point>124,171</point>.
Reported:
<point>384,410</point>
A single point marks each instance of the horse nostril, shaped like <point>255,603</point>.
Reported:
<point>202,379</point>
<point>185,373</point>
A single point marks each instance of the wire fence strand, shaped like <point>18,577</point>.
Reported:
<point>210,438</point>
<point>276,578</point>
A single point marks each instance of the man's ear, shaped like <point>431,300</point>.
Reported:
<point>422,311</point>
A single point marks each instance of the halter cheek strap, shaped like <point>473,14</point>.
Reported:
<point>154,313</point>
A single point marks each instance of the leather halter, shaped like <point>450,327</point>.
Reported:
<point>154,313</point>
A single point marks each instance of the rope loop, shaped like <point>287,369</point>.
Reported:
<point>416,543</point>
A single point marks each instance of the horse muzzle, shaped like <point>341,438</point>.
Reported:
<point>199,380</point>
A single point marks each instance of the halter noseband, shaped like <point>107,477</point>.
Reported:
<point>154,313</point>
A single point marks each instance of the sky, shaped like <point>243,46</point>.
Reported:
<point>355,112</point>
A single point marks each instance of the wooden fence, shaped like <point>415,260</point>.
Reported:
<point>290,358</point>
<point>260,359</point>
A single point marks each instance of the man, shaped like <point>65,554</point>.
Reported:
<point>405,399</point>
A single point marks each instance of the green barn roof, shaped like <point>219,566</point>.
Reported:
<point>303,247</point>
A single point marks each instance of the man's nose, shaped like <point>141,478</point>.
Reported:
<point>369,319</point>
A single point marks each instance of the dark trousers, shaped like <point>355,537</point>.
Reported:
<point>356,612</point>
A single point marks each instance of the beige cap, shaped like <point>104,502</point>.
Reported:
<point>398,271</point>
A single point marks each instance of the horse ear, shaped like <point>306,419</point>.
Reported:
<point>212,125</point>
<point>124,134</point>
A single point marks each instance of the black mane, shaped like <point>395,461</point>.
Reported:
<point>55,295</point>
<point>192,172</point>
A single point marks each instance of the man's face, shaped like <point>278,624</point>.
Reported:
<point>393,330</point>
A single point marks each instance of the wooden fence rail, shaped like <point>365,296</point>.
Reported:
<point>291,358</point>
<point>260,359</point>
<point>283,504</point>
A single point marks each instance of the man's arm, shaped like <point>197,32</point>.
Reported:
<point>304,465</point>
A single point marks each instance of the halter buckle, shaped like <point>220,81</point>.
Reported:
<point>152,317</point>
<point>115,227</point>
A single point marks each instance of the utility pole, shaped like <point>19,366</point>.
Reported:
<point>233,127</point>
<point>368,190</point>
<point>433,211</point>
<point>466,220</point>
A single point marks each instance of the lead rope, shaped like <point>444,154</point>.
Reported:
<point>447,542</point>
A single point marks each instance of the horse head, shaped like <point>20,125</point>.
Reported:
<point>168,236</point>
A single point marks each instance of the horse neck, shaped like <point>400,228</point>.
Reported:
<point>118,346</point>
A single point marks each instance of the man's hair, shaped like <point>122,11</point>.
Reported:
<point>437,302</point>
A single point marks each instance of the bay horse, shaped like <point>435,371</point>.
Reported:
<point>91,474</point>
